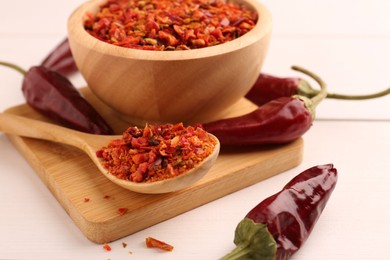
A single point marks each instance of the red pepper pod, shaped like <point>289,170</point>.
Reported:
<point>279,121</point>
<point>54,96</point>
<point>267,88</point>
<point>60,59</point>
<point>278,226</point>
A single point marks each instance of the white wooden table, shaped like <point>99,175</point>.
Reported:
<point>346,42</point>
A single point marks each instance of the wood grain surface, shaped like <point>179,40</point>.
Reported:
<point>72,178</point>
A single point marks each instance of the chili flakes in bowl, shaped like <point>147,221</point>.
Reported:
<point>169,24</point>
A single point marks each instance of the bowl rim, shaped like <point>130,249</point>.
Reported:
<point>77,32</point>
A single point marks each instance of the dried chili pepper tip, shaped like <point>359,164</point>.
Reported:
<point>278,226</point>
<point>60,59</point>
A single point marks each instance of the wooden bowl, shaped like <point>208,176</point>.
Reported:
<point>188,86</point>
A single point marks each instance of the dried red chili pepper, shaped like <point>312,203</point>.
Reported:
<point>268,87</point>
<point>60,59</point>
<point>278,121</point>
<point>278,226</point>
<point>54,96</point>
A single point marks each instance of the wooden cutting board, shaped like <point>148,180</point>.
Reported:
<point>73,179</point>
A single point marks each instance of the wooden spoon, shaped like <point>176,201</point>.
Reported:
<point>90,143</point>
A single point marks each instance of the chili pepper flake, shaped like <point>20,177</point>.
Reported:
<point>169,24</point>
<point>154,243</point>
<point>86,199</point>
<point>107,247</point>
<point>106,197</point>
<point>156,152</point>
<point>122,211</point>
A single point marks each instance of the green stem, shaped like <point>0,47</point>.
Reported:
<point>240,252</point>
<point>321,95</point>
<point>13,66</point>
<point>359,97</point>
<point>305,89</point>
<point>253,241</point>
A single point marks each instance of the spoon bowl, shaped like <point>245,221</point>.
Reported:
<point>90,143</point>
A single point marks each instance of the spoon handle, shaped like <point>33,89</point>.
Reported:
<point>23,126</point>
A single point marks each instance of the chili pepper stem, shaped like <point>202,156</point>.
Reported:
<point>304,89</point>
<point>253,241</point>
<point>321,95</point>
<point>359,97</point>
<point>13,66</point>
<point>240,251</point>
<point>311,103</point>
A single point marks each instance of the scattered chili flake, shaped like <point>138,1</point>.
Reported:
<point>154,243</point>
<point>156,152</point>
<point>107,197</point>
<point>169,24</point>
<point>122,211</point>
<point>107,247</point>
<point>86,199</point>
